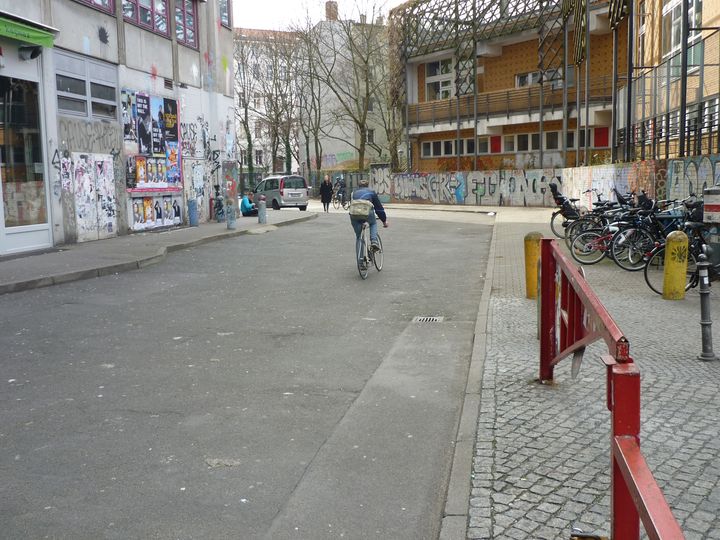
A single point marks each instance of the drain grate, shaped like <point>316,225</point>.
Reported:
<point>428,319</point>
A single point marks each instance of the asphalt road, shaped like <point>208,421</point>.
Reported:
<point>249,388</point>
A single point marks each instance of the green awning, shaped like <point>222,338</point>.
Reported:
<point>25,33</point>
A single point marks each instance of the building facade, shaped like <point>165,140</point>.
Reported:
<point>117,115</point>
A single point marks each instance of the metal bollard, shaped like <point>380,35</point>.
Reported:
<point>676,261</point>
<point>262,210</point>
<point>532,256</point>
<point>705,321</point>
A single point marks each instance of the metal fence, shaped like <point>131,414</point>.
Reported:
<point>656,123</point>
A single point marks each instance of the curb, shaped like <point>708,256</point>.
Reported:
<point>138,263</point>
<point>454,524</point>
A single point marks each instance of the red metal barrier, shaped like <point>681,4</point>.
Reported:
<point>572,317</point>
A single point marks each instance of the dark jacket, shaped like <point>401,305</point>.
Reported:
<point>326,191</point>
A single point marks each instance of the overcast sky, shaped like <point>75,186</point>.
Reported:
<point>281,14</point>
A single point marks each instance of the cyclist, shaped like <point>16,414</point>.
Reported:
<point>339,188</point>
<point>365,193</point>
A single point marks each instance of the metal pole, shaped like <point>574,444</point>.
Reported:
<point>540,112</point>
<point>587,82</point>
<point>683,73</point>
<point>613,128</point>
<point>565,93</point>
<point>577,114</point>
<point>629,79</point>
<point>705,321</point>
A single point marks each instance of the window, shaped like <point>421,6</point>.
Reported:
<point>509,142</point>
<point>258,157</point>
<point>483,145</point>
<point>257,100</point>
<point>438,80</point>
<point>150,14</point>
<point>85,87</point>
<point>448,148</point>
<point>552,140</point>
<point>426,149</point>
<point>370,136</point>
<point>103,5</point>
<point>243,156</point>
<point>186,22</point>
<point>523,142</point>
<point>258,129</point>
<point>437,148</point>
<point>225,11</point>
<point>470,146</point>
<point>526,79</point>
<point>641,34</point>
<point>461,147</point>
<point>535,140</point>
<point>570,142</point>
<point>672,34</point>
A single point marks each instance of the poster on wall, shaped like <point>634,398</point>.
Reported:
<point>171,124</point>
<point>130,172</point>
<point>129,120</point>
<point>157,112</point>
<point>140,172</point>
<point>172,164</point>
<point>144,124</point>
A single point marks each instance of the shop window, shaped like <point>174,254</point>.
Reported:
<point>150,14</point>
<point>225,13</point>
<point>85,87</point>
<point>186,22</point>
<point>509,143</point>
<point>102,5</point>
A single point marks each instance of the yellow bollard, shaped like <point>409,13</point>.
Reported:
<point>532,257</point>
<point>676,262</point>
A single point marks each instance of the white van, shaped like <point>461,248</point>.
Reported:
<point>283,191</point>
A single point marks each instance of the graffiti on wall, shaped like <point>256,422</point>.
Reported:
<point>692,175</point>
<point>93,185</point>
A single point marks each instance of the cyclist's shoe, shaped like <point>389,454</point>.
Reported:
<point>363,265</point>
<point>375,246</point>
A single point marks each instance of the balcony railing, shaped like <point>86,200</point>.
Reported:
<point>508,102</point>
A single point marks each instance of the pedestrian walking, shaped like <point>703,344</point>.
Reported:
<point>326,193</point>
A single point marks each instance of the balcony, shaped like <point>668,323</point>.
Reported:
<point>506,103</point>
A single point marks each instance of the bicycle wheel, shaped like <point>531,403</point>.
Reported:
<point>336,203</point>
<point>655,271</point>
<point>377,256</point>
<point>345,204</point>
<point>576,227</point>
<point>556,224</point>
<point>362,262</point>
<point>631,247</point>
<point>589,247</point>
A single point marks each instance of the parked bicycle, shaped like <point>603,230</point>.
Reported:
<point>366,256</point>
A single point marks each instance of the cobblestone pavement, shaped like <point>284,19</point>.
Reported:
<point>542,459</point>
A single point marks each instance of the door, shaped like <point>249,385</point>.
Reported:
<point>24,212</point>
<point>95,202</point>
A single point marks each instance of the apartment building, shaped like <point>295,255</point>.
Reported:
<point>489,91</point>
<point>116,114</point>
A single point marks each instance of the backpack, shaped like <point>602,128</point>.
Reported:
<point>360,208</point>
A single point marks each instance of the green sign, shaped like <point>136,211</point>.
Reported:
<point>25,33</point>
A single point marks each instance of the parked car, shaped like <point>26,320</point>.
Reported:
<point>282,191</point>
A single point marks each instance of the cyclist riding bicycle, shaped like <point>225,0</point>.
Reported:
<point>364,193</point>
<point>339,188</point>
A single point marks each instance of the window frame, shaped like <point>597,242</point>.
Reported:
<point>444,79</point>
<point>135,21</point>
<point>258,156</point>
<point>181,9</point>
<point>470,146</point>
<point>483,142</point>
<point>370,136</point>
<point>91,68</point>
<point>507,138</point>
<point>90,3</point>
<point>557,135</point>
<point>523,137</point>
<point>671,23</point>
<point>228,8</point>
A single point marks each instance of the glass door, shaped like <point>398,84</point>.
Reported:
<point>21,161</point>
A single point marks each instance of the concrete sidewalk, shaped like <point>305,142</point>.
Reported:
<point>124,253</point>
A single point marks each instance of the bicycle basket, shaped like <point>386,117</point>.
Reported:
<point>360,208</point>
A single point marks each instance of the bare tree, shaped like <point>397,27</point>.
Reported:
<point>244,91</point>
<point>349,59</point>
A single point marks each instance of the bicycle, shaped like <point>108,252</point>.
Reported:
<point>339,200</point>
<point>365,255</point>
